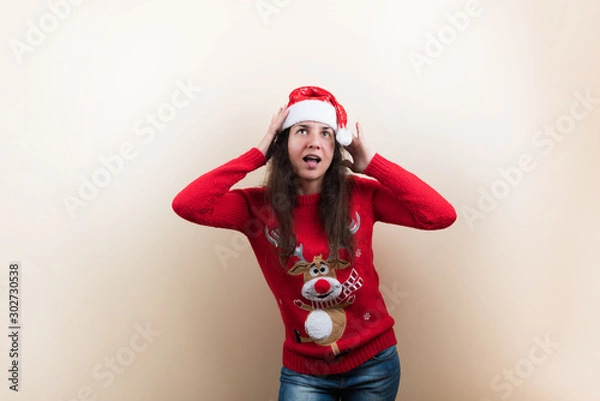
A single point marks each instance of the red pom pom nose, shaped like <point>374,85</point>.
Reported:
<point>322,286</point>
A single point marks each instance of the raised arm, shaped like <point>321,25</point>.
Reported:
<point>209,199</point>
<point>399,196</point>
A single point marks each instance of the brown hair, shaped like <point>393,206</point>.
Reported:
<point>333,204</point>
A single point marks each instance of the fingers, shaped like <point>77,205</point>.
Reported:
<point>277,119</point>
<point>284,111</point>
<point>277,114</point>
<point>281,115</point>
<point>274,129</point>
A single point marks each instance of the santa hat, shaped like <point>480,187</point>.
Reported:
<point>311,103</point>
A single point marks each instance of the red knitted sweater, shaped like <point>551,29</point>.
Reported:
<point>334,315</point>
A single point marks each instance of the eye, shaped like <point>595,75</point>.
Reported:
<point>314,271</point>
<point>301,131</point>
<point>327,133</point>
<point>324,269</point>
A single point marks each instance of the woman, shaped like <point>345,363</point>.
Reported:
<point>310,228</point>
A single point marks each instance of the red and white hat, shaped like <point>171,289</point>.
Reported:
<point>311,103</point>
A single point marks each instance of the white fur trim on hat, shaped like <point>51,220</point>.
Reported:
<point>311,110</point>
<point>320,111</point>
<point>344,136</point>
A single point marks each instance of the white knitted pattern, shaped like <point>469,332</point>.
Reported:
<point>353,283</point>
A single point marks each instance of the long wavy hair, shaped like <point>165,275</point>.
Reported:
<point>334,202</point>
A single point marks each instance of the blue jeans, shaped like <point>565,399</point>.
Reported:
<point>377,379</point>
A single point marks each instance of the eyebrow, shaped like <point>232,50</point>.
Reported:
<point>324,127</point>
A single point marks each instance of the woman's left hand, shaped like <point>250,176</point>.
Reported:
<point>359,151</point>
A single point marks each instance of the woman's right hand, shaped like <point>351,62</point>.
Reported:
<point>274,129</point>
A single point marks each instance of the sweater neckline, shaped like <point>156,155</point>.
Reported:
<point>308,199</point>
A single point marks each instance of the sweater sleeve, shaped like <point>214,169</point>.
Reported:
<point>403,198</point>
<point>209,199</point>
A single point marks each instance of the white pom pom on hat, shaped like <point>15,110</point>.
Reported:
<point>311,103</point>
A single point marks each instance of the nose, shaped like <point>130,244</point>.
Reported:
<point>322,286</point>
<point>314,141</point>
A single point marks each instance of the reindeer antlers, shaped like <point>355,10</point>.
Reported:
<point>299,251</point>
<point>355,225</point>
<point>274,238</point>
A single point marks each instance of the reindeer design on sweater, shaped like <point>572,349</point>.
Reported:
<point>326,320</point>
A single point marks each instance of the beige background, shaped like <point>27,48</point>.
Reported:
<point>470,302</point>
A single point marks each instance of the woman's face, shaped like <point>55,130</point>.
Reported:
<point>310,148</point>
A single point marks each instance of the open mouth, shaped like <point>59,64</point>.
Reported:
<point>323,296</point>
<point>312,160</point>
